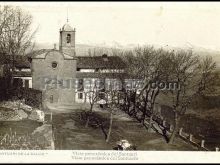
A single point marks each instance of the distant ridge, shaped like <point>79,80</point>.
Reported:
<point>83,49</point>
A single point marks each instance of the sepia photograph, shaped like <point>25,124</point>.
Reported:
<point>107,81</point>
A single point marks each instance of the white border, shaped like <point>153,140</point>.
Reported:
<point>67,156</point>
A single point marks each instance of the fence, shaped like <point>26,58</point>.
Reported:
<point>163,127</point>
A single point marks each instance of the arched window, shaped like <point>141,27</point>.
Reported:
<point>68,38</point>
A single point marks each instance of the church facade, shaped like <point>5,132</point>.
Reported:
<point>49,67</point>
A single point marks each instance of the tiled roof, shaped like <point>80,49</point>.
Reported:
<point>100,62</point>
<point>99,75</point>
<point>83,62</point>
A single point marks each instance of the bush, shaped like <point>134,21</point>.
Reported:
<point>31,96</point>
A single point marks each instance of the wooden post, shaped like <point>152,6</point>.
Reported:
<point>190,137</point>
<point>203,143</point>
<point>52,145</point>
<point>51,116</point>
<point>180,131</point>
<point>171,128</point>
<point>164,123</point>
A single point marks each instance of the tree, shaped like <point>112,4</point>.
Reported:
<point>111,78</point>
<point>96,86</point>
<point>93,96</point>
<point>194,76</point>
<point>112,102</point>
<point>15,32</point>
<point>148,65</point>
<point>114,88</point>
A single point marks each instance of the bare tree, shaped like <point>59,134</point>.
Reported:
<point>93,96</point>
<point>112,102</point>
<point>147,64</point>
<point>15,32</point>
<point>112,79</point>
<point>194,76</point>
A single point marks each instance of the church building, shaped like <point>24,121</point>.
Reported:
<point>56,72</point>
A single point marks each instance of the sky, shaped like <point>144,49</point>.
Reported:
<point>181,24</point>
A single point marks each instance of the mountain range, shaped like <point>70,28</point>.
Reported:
<point>83,49</point>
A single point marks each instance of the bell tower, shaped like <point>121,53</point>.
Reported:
<point>67,40</point>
